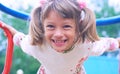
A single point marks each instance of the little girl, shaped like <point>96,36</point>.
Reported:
<point>62,36</point>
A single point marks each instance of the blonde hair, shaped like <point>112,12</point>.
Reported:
<point>85,26</point>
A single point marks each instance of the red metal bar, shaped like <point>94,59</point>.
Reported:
<point>9,50</point>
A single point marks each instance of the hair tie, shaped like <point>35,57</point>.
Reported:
<point>42,2</point>
<point>82,4</point>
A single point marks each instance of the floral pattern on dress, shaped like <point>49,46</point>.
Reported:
<point>41,70</point>
<point>79,68</point>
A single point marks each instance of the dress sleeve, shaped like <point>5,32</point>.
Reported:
<point>104,44</point>
<point>23,41</point>
<point>18,37</point>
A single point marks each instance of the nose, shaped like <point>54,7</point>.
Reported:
<point>58,33</point>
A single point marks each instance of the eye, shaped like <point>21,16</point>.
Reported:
<point>50,27</point>
<point>67,26</point>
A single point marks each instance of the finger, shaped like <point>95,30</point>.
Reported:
<point>5,34</point>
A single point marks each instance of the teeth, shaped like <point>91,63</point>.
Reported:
<point>59,41</point>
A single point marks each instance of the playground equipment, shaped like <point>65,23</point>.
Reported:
<point>105,62</point>
<point>9,51</point>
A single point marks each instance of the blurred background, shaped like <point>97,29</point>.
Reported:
<point>27,64</point>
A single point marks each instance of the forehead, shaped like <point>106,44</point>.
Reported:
<point>53,16</point>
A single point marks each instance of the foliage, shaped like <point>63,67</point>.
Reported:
<point>25,62</point>
<point>106,11</point>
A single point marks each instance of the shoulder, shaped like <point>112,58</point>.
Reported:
<point>27,47</point>
<point>22,40</point>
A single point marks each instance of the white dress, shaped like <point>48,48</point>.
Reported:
<point>54,62</point>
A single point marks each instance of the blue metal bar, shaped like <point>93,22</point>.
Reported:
<point>108,21</point>
<point>14,13</point>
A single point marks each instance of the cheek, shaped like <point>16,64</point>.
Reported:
<point>47,35</point>
<point>72,35</point>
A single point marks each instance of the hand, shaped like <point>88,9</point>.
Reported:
<point>118,41</point>
<point>10,28</point>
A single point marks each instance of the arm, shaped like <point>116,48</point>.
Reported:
<point>10,28</point>
<point>23,41</point>
<point>17,36</point>
<point>118,41</point>
<point>104,44</point>
<point>113,44</point>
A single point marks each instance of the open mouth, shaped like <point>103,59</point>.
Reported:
<point>59,42</point>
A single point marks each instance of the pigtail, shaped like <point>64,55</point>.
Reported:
<point>87,25</point>
<point>36,28</point>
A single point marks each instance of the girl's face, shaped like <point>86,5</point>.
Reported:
<point>59,32</point>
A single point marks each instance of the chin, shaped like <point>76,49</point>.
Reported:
<point>59,50</point>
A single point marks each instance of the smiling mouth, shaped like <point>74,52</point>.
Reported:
<point>59,42</point>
